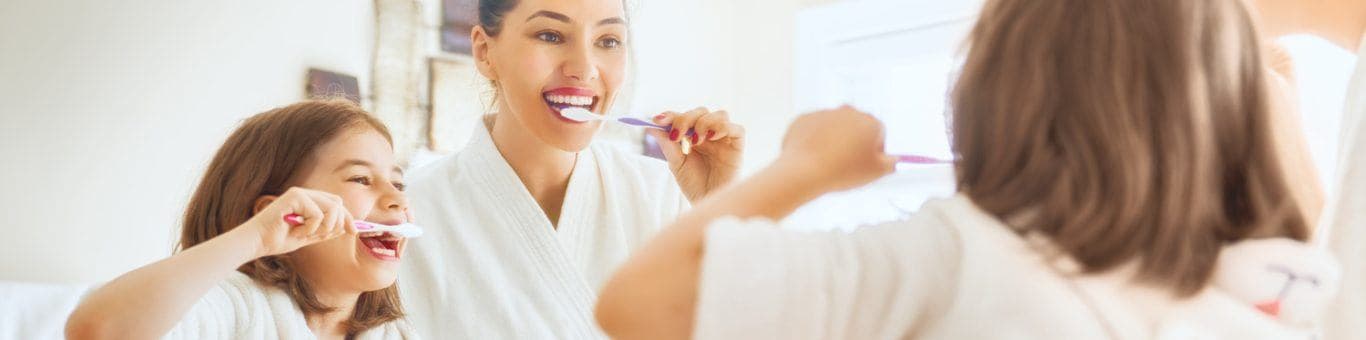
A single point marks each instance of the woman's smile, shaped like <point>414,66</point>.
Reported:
<point>566,97</point>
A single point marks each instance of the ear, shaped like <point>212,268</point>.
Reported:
<point>479,47</point>
<point>261,203</point>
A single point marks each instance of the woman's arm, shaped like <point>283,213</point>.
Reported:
<point>653,296</point>
<point>147,302</point>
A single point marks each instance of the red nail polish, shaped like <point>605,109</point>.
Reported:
<point>694,139</point>
<point>673,135</point>
<point>710,134</point>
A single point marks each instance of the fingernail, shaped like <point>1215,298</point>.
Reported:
<point>659,118</point>
<point>710,134</point>
<point>673,135</point>
<point>694,139</point>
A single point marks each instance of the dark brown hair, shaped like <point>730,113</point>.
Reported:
<point>262,158</point>
<point>1123,131</point>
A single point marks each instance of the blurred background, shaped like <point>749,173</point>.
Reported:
<point>109,110</point>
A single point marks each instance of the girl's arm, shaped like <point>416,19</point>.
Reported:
<point>148,302</point>
<point>653,296</point>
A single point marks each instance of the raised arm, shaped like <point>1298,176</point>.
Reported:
<point>653,296</point>
<point>148,302</point>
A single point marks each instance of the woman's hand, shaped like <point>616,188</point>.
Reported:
<point>324,217</point>
<point>716,148</point>
<point>836,149</point>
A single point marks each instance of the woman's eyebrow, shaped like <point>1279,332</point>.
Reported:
<point>552,15</point>
<point>612,20</point>
<point>566,19</point>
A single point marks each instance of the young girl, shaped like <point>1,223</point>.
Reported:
<point>244,271</point>
<point>1117,180</point>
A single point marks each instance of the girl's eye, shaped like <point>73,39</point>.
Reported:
<point>400,186</point>
<point>362,180</point>
<point>550,37</point>
<point>609,43</point>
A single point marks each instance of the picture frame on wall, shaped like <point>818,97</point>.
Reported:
<point>324,84</point>
<point>458,17</point>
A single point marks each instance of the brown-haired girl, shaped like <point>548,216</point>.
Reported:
<point>248,267</point>
<point>1117,179</point>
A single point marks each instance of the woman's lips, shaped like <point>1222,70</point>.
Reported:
<point>565,97</point>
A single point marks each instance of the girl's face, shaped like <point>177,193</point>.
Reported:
<point>358,165</point>
<point>555,54</point>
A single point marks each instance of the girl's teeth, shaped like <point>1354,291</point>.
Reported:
<point>383,251</point>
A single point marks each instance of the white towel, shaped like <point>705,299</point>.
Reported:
<point>492,266</point>
<point>1344,229</point>
<point>241,308</point>
<point>950,271</point>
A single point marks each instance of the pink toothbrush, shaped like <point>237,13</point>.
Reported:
<point>918,159</point>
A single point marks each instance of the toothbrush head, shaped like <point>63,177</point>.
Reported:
<point>579,114</point>
<point>406,230</point>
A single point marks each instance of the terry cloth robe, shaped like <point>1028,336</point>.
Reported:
<point>952,271</point>
<point>1345,219</point>
<point>491,265</point>
<point>241,308</point>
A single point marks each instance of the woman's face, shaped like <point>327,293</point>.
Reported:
<point>359,166</point>
<point>555,54</point>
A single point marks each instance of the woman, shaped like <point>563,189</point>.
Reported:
<point>527,222</point>
<point>1342,22</point>
<point>1117,180</point>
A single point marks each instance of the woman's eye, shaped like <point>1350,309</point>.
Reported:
<point>400,186</point>
<point>550,37</point>
<point>360,179</point>
<point>609,43</point>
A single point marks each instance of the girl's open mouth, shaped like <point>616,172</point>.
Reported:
<point>382,245</point>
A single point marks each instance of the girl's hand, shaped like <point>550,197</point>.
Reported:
<point>324,217</point>
<point>716,148</point>
<point>836,149</point>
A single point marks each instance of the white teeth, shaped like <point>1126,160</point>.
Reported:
<point>571,100</point>
<point>383,251</point>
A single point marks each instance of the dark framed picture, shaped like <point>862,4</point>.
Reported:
<point>458,17</point>
<point>323,84</point>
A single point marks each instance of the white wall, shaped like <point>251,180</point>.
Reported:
<point>109,111</point>
<point>735,55</point>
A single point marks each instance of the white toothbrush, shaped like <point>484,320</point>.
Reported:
<point>583,115</point>
<point>407,230</point>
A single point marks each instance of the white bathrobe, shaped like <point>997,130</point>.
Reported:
<point>950,271</point>
<point>241,308</point>
<point>491,265</point>
<point>1345,218</point>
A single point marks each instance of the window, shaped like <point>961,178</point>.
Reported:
<point>893,59</point>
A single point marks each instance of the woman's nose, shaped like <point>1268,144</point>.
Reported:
<point>580,65</point>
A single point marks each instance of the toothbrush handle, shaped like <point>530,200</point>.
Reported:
<point>294,220</point>
<point>918,159</point>
<point>648,125</point>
